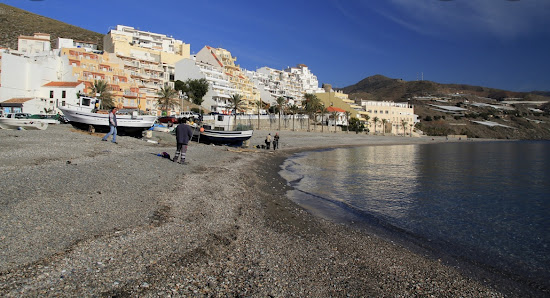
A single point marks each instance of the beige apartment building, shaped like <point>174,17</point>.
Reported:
<point>222,60</point>
<point>395,115</point>
<point>149,58</point>
<point>91,66</point>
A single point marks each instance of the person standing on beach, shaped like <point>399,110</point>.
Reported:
<point>268,141</point>
<point>184,133</point>
<point>276,141</point>
<point>112,126</point>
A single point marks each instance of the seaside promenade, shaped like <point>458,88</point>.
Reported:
<point>81,217</point>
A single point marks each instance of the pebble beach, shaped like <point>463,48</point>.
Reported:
<point>81,217</point>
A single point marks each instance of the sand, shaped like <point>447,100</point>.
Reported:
<point>81,217</point>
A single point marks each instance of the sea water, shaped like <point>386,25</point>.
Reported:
<point>486,203</point>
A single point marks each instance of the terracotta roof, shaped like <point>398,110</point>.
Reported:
<point>62,84</point>
<point>333,109</point>
<point>17,100</point>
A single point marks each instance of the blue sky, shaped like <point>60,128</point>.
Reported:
<point>494,43</point>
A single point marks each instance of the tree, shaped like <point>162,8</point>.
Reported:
<point>348,113</point>
<point>102,88</point>
<point>367,118</point>
<point>167,98</point>
<point>375,120</point>
<point>236,103</point>
<point>334,116</point>
<point>356,125</point>
<point>281,101</point>
<point>384,121</point>
<point>293,109</point>
<point>404,124</point>
<point>312,103</point>
<point>323,112</point>
<point>259,105</point>
<point>195,89</point>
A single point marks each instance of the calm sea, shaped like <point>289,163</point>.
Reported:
<point>485,203</point>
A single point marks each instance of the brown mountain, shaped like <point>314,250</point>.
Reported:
<point>379,87</point>
<point>524,121</point>
<point>15,22</point>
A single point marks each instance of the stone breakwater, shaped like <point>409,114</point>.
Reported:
<point>81,217</point>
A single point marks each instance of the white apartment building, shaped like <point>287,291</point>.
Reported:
<point>274,83</point>
<point>308,80</point>
<point>69,43</point>
<point>38,43</point>
<point>219,87</point>
<point>291,83</point>
<point>26,82</point>
<point>24,75</point>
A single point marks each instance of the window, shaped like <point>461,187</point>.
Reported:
<point>63,94</point>
<point>51,93</point>
<point>63,103</point>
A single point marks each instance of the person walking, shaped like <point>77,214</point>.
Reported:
<point>184,133</point>
<point>276,141</point>
<point>268,141</point>
<point>112,126</point>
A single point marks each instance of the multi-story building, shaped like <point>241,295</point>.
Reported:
<point>38,43</point>
<point>25,75</point>
<point>222,60</point>
<point>219,87</point>
<point>274,83</point>
<point>394,115</point>
<point>149,57</point>
<point>308,80</point>
<point>90,66</point>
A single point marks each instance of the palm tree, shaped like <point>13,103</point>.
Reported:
<point>384,121</point>
<point>259,104</point>
<point>311,106</point>
<point>236,102</point>
<point>348,113</point>
<point>293,109</point>
<point>167,98</point>
<point>102,88</point>
<point>334,116</point>
<point>323,111</point>
<point>367,118</point>
<point>404,124</point>
<point>280,106</point>
<point>375,120</point>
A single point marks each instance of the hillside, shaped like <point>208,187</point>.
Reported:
<point>15,22</point>
<point>525,120</point>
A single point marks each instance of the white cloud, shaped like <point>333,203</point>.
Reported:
<point>499,18</point>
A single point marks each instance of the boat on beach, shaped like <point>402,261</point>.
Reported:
<point>219,133</point>
<point>230,137</point>
<point>85,115</point>
<point>15,121</point>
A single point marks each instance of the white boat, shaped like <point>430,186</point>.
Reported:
<point>12,121</point>
<point>84,114</point>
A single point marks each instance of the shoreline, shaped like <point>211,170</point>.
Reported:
<point>503,281</point>
<point>141,225</point>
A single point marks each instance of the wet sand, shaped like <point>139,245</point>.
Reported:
<point>90,218</point>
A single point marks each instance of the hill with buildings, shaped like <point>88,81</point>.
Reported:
<point>15,22</point>
<point>475,111</point>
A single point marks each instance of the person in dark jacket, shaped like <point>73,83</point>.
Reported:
<point>184,133</point>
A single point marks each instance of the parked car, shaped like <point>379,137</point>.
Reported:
<point>189,114</point>
<point>168,119</point>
